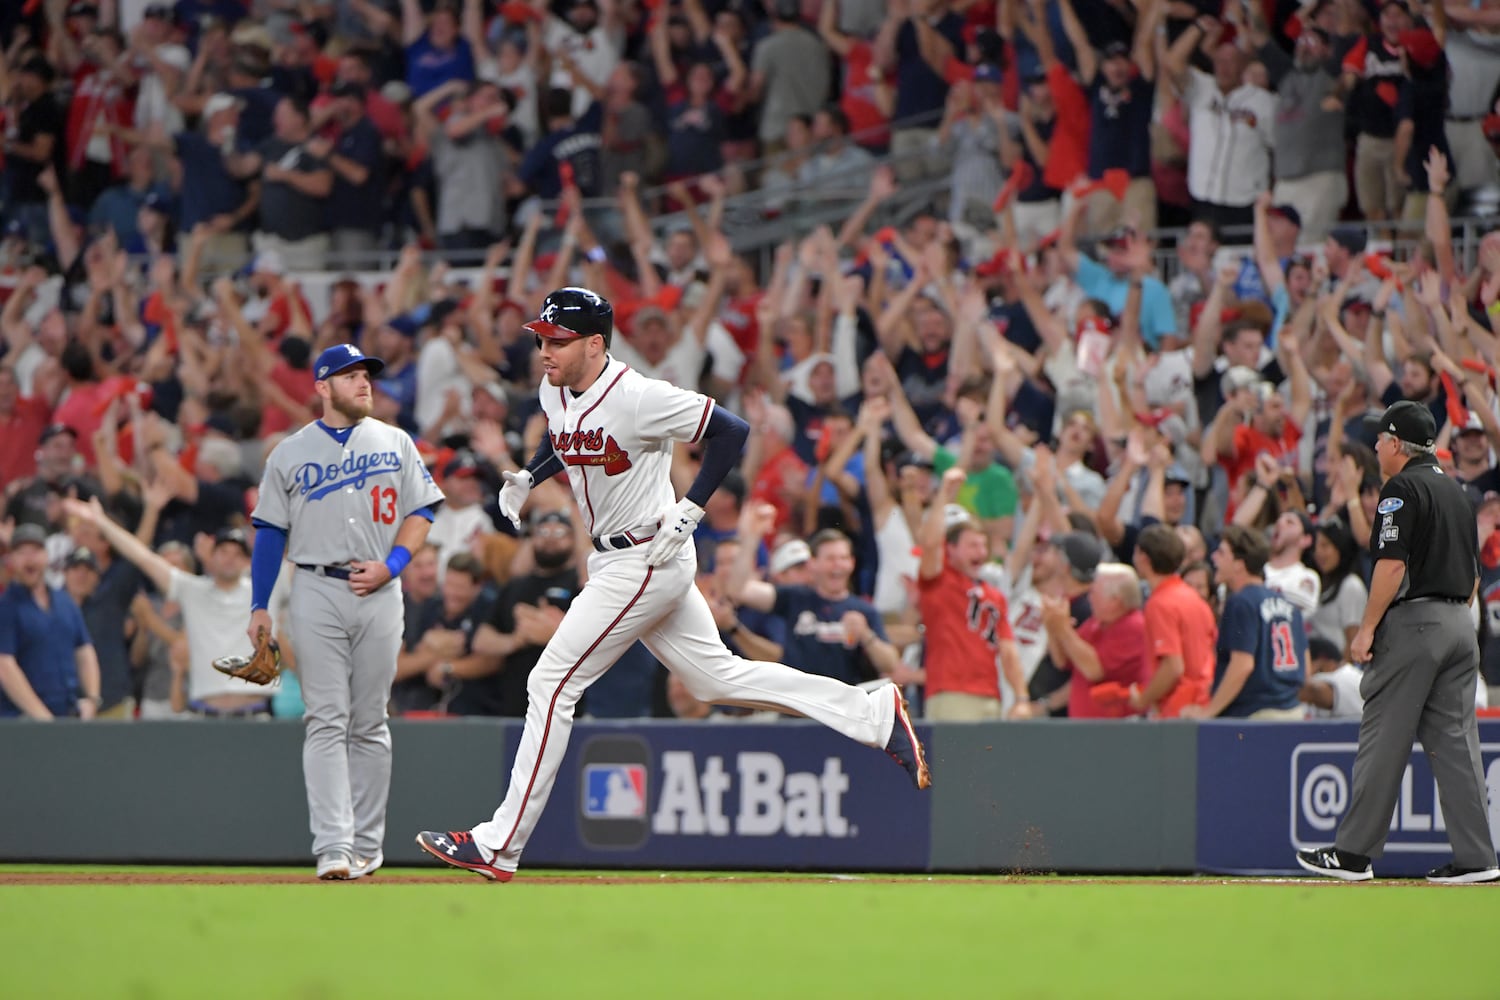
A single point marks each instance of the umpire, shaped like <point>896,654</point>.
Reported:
<point>1421,655</point>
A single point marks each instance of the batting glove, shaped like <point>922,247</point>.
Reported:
<point>678,523</point>
<point>513,495</point>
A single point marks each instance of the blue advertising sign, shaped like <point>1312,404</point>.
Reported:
<point>1267,790</point>
<point>688,795</point>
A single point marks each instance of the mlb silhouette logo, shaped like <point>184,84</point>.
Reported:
<point>614,791</point>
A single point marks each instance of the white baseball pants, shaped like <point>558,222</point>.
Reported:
<point>626,600</point>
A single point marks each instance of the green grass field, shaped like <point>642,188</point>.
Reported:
<point>679,935</point>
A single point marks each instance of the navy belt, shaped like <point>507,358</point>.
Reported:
<point>254,708</point>
<point>624,540</point>
<point>337,572</point>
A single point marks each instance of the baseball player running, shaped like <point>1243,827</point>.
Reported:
<point>612,430</point>
<point>349,500</point>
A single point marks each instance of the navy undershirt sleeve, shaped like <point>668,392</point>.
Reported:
<point>723,444</point>
<point>545,463</point>
<point>265,563</point>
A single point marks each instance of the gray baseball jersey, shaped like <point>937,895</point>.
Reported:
<point>342,501</point>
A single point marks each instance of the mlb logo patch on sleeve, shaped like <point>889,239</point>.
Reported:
<point>614,791</point>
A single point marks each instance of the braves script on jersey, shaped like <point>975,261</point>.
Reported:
<point>343,501</point>
<point>623,423</point>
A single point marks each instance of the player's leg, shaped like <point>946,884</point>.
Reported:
<point>1395,686</point>
<point>1450,738</point>
<point>320,639</point>
<point>376,641</point>
<point>622,598</point>
<point>687,642</point>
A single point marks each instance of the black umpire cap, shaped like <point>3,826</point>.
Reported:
<point>570,313</point>
<point>1409,421</point>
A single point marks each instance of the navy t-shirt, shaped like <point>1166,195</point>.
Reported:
<point>212,191</point>
<point>353,206</point>
<point>1262,623</point>
<point>815,635</point>
<point>919,90</point>
<point>578,146</point>
<point>1014,324</point>
<point>42,642</point>
<point>1120,127</point>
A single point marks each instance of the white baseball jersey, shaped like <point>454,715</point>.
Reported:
<point>616,441</point>
<point>343,500</point>
<point>1297,584</point>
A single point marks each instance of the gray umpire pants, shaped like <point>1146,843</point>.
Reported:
<point>1420,685</point>
<point>346,649</point>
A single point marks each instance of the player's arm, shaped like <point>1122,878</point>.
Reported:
<point>157,569</point>
<point>1064,638</point>
<point>546,463</point>
<point>1241,665</point>
<point>491,641</point>
<point>930,536</point>
<point>724,437</point>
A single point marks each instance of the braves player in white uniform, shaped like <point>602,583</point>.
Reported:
<point>613,430</point>
<point>348,500</point>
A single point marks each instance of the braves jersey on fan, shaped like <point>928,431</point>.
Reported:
<point>343,500</point>
<point>1261,622</point>
<point>622,422</point>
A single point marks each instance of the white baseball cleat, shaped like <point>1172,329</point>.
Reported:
<point>335,865</point>
<point>366,866</point>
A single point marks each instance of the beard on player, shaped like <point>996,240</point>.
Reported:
<point>351,396</point>
<point>570,363</point>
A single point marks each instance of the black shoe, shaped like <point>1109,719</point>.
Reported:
<point>1334,864</point>
<point>1451,874</point>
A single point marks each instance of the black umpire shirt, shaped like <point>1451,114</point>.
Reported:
<point>1427,522</point>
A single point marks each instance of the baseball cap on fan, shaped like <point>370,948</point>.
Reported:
<point>341,357</point>
<point>1408,421</point>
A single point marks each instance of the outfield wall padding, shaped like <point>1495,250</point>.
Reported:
<point>1045,796</point>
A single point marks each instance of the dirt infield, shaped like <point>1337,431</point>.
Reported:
<point>251,877</point>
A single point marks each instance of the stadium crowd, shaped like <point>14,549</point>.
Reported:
<point>1010,450</point>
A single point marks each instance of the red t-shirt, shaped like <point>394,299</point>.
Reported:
<point>83,411</point>
<point>1121,646</point>
<point>298,385</point>
<point>19,434</point>
<point>1180,623</point>
<point>966,619</point>
<point>1248,445</point>
<point>1068,154</point>
<point>781,475</point>
<point>858,99</point>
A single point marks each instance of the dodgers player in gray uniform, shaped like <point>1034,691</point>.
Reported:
<point>612,432</point>
<point>348,500</point>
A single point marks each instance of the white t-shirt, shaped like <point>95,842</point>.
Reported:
<point>898,562</point>
<point>521,82</point>
<point>214,619</point>
<point>1229,157</point>
<point>1347,703</point>
<point>438,371</point>
<point>453,530</point>
<point>1299,585</point>
<point>1346,608</point>
<point>596,55</point>
<point>1026,625</point>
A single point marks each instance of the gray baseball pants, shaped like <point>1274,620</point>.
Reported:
<point>1420,685</point>
<point>346,649</point>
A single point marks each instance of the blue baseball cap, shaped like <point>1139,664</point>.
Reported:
<point>987,73</point>
<point>341,357</point>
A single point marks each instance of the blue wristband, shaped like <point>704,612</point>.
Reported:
<point>397,560</point>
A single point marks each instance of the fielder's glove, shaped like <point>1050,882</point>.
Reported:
<point>261,667</point>
<point>677,525</point>
<point>513,495</point>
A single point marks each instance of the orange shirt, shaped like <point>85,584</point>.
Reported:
<point>1180,623</point>
<point>965,621</point>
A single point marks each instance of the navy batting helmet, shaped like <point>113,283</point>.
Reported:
<point>570,313</point>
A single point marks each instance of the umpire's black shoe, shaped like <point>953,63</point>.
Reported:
<point>1336,864</point>
<point>904,747</point>
<point>1451,874</point>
